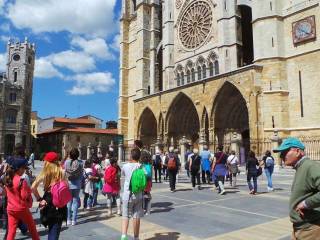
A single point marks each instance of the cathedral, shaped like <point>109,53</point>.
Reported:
<point>239,73</point>
<point>16,96</point>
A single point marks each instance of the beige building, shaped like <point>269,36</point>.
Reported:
<point>238,73</point>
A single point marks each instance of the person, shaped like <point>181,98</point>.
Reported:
<point>111,187</point>
<point>31,159</point>
<point>157,165</point>
<point>252,172</point>
<point>51,174</point>
<point>205,164</point>
<point>88,185</point>
<point>219,169</point>
<point>305,192</point>
<point>233,164</point>
<point>97,174</point>
<point>164,166</point>
<point>74,173</point>
<point>268,161</point>
<point>131,202</point>
<point>147,191</point>
<point>195,168</point>
<point>106,161</point>
<point>173,165</point>
<point>19,198</point>
<point>186,157</point>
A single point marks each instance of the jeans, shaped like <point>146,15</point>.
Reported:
<point>193,179</point>
<point>268,171</point>
<point>203,174</point>
<point>157,170</point>
<point>73,205</point>
<point>87,201</point>
<point>54,231</point>
<point>165,172</point>
<point>172,178</point>
<point>255,185</point>
<point>95,196</point>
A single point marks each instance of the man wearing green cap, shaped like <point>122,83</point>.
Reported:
<point>305,190</point>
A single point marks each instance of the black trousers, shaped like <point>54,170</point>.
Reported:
<point>172,179</point>
<point>157,170</point>
<point>203,176</point>
<point>193,179</point>
<point>216,181</point>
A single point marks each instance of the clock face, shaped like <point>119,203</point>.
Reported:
<point>16,57</point>
<point>304,30</point>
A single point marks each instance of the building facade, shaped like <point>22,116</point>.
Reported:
<point>238,73</point>
<point>16,96</point>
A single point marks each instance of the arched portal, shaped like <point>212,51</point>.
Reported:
<point>182,120</point>
<point>9,143</point>
<point>230,115</point>
<point>147,128</point>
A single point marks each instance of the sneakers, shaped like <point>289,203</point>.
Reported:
<point>68,222</point>
<point>73,223</point>
<point>270,189</point>
<point>222,192</point>
<point>124,238</point>
<point>119,212</point>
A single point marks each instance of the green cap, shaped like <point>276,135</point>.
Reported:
<point>288,143</point>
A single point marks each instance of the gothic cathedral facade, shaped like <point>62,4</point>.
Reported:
<point>238,73</point>
<point>16,96</point>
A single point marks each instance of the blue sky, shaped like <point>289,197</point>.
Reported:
<point>77,53</point>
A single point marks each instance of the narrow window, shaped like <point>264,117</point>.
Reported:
<point>216,67</point>
<point>178,80</point>
<point>271,6</point>
<point>272,42</point>
<point>193,75</point>
<point>15,78</point>
<point>225,5</point>
<point>199,73</point>
<point>301,95</point>
<point>188,76</point>
<point>204,71</point>
<point>211,69</point>
<point>182,78</point>
<point>227,53</point>
<point>148,89</point>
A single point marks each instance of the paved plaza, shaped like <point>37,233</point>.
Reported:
<point>194,215</point>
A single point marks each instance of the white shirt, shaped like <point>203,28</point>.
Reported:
<point>232,159</point>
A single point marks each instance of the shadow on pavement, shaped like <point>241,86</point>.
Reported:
<point>165,236</point>
<point>159,207</point>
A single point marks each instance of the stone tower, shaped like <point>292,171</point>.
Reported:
<point>16,96</point>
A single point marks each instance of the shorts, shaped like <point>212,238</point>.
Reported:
<point>132,208</point>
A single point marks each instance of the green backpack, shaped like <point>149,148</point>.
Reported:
<point>138,181</point>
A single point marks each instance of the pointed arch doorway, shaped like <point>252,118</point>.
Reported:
<point>230,118</point>
<point>147,128</point>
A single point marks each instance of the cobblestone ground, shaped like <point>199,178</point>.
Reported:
<point>200,214</point>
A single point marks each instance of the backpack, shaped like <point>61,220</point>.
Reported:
<point>74,170</point>
<point>110,175</point>
<point>196,161</point>
<point>148,170</point>
<point>138,181</point>
<point>60,194</point>
<point>172,164</point>
<point>269,161</point>
<point>157,161</point>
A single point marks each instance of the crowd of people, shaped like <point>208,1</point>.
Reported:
<point>58,187</point>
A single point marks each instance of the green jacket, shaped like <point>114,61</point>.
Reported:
<point>306,187</point>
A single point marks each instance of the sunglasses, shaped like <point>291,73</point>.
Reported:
<point>284,153</point>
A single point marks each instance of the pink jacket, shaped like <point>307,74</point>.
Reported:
<point>113,188</point>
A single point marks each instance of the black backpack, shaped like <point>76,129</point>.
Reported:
<point>196,162</point>
<point>157,161</point>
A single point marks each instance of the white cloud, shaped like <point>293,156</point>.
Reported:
<point>90,83</point>
<point>45,69</point>
<point>89,17</point>
<point>116,43</point>
<point>74,61</point>
<point>5,27</point>
<point>4,38</point>
<point>3,62</point>
<point>96,47</point>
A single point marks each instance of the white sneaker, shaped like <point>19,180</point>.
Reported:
<point>73,223</point>
<point>270,189</point>
<point>68,222</point>
<point>223,192</point>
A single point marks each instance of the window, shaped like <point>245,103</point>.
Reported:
<point>182,78</point>
<point>33,128</point>
<point>11,116</point>
<point>216,67</point>
<point>199,73</point>
<point>193,74</point>
<point>211,68</point>
<point>188,76</point>
<point>178,80</point>
<point>12,97</point>
<point>134,5</point>
<point>15,77</point>
<point>204,71</point>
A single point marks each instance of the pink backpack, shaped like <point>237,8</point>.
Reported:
<point>60,194</point>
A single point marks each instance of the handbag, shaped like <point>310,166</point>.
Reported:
<point>259,171</point>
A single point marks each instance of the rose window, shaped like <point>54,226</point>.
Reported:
<point>195,25</point>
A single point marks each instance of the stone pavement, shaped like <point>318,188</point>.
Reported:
<point>200,214</point>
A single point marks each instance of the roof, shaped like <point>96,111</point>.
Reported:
<point>88,116</point>
<point>74,120</point>
<point>81,130</point>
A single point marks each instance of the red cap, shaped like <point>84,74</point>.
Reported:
<point>51,157</point>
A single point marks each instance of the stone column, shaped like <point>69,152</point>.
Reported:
<point>202,140</point>
<point>275,140</point>
<point>64,145</point>
<point>89,151</point>
<point>79,149</point>
<point>182,144</point>
<point>120,152</point>
<point>235,141</point>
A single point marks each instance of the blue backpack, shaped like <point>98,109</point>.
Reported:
<point>148,170</point>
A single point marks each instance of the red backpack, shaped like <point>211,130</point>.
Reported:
<point>110,175</point>
<point>172,165</point>
<point>60,194</point>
